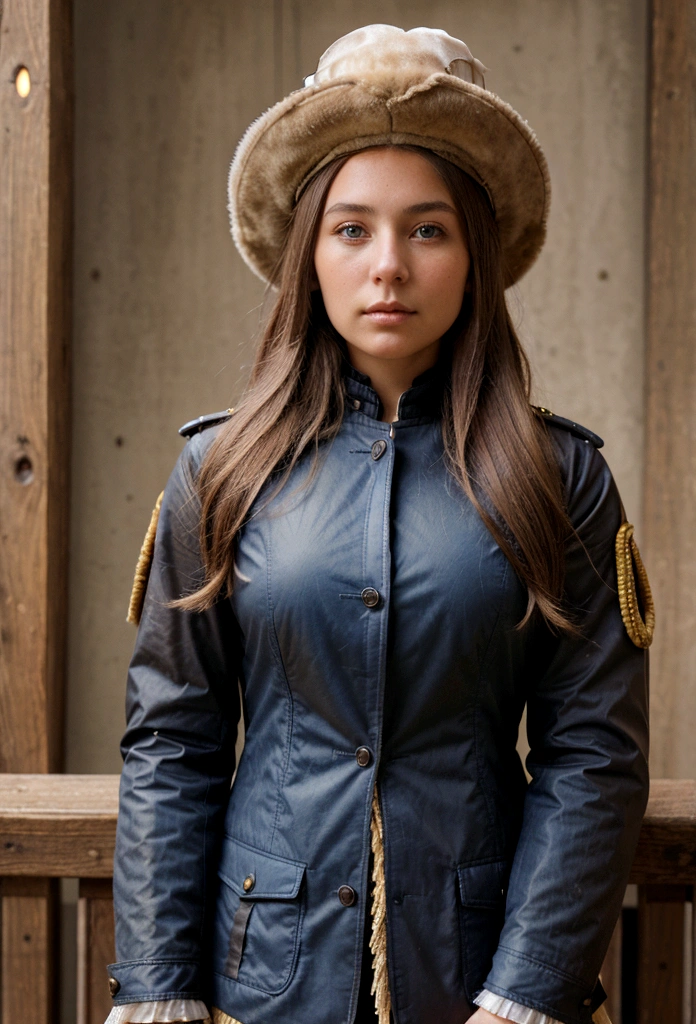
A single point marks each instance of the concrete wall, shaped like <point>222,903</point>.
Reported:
<point>165,310</point>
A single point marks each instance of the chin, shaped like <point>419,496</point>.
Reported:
<point>390,347</point>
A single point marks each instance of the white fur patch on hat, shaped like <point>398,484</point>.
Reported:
<point>380,86</point>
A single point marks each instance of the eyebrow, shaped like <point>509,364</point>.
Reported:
<point>432,207</point>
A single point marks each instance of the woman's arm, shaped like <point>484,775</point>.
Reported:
<point>588,732</point>
<point>182,714</point>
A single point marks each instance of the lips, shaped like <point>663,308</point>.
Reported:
<point>388,313</point>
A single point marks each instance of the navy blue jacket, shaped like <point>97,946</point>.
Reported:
<point>373,609</point>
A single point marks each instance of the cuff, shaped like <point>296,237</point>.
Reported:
<point>147,981</point>
<point>162,1011</point>
<point>510,1010</point>
<point>523,979</point>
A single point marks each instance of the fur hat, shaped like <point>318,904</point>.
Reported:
<point>380,86</point>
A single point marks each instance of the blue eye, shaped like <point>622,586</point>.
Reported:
<point>351,231</point>
<point>427,231</point>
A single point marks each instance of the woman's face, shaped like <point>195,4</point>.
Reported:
<point>390,256</point>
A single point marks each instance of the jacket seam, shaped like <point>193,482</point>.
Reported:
<point>152,997</point>
<point>275,647</point>
<point>490,808</point>
<point>563,975</point>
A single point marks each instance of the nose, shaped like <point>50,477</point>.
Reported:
<point>389,260</point>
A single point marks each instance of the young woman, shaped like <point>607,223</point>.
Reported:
<point>382,556</point>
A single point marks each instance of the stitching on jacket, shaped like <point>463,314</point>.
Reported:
<point>563,975</point>
<point>275,647</point>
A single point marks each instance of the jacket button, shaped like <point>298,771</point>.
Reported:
<point>378,449</point>
<point>356,403</point>
<point>248,883</point>
<point>114,986</point>
<point>370,597</point>
<point>363,755</point>
<point>587,1002</point>
<point>347,895</point>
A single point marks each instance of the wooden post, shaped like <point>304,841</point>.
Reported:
<point>95,949</point>
<point>661,953</point>
<point>29,938</point>
<point>35,289</point>
<point>670,459</point>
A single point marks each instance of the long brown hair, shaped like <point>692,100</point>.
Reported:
<point>496,446</point>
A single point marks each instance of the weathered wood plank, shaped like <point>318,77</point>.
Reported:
<point>661,953</point>
<point>28,941</point>
<point>95,949</point>
<point>35,261</point>
<point>667,847</point>
<point>670,427</point>
<point>58,825</point>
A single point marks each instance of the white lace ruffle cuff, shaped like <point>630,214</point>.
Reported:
<point>170,1010</point>
<point>165,1011</point>
<point>509,1010</point>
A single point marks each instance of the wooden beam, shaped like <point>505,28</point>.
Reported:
<point>35,289</point>
<point>670,430</point>
<point>58,825</point>
<point>666,851</point>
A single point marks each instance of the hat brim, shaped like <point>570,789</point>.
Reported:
<point>464,123</point>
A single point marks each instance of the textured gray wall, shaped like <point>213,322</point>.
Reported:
<point>165,310</point>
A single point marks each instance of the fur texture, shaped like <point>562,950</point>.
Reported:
<point>387,93</point>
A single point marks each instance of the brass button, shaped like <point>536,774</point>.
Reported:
<point>378,449</point>
<point>370,597</point>
<point>587,1002</point>
<point>249,883</point>
<point>363,755</point>
<point>347,895</point>
<point>356,403</point>
<point>114,986</point>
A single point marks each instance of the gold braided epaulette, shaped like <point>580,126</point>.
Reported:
<point>142,569</point>
<point>633,583</point>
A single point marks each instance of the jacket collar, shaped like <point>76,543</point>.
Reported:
<point>423,400</point>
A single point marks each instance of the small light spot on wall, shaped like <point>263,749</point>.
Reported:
<point>22,82</point>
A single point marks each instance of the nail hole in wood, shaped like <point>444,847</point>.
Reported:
<point>24,471</point>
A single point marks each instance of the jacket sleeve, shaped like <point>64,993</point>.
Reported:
<point>182,713</point>
<point>587,721</point>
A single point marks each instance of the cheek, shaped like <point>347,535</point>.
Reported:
<point>445,283</point>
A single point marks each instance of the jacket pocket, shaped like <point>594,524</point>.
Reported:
<point>258,916</point>
<point>481,916</point>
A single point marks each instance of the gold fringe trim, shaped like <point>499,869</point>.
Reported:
<point>378,938</point>
<point>221,1018</point>
<point>142,569</point>
<point>629,570</point>
<point>600,1016</point>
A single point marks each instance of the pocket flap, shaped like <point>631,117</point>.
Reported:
<point>482,885</point>
<point>256,875</point>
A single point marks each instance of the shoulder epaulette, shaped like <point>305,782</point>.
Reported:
<point>211,420</point>
<point>573,428</point>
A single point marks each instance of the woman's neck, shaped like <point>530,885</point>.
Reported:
<point>391,377</point>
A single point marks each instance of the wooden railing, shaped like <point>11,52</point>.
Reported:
<point>63,826</point>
